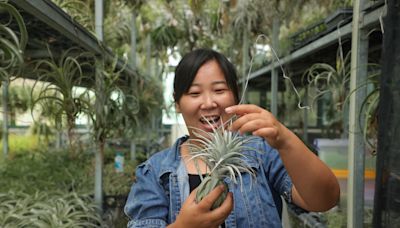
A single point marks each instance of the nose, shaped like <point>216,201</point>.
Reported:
<point>208,102</point>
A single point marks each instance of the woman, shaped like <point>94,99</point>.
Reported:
<point>206,93</point>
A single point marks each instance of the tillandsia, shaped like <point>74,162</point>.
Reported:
<point>222,152</point>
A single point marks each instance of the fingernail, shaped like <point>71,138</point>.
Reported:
<point>228,110</point>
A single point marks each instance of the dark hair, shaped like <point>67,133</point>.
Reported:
<point>187,69</point>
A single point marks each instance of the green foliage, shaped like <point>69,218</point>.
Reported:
<point>43,131</point>
<point>19,98</point>
<point>105,110</point>
<point>148,91</point>
<point>47,209</point>
<point>116,183</point>
<point>49,189</point>
<point>11,46</point>
<point>45,171</point>
<point>32,170</point>
<point>19,101</point>
<point>123,107</point>
<point>336,219</point>
<point>79,10</point>
<point>19,144</point>
<point>165,36</point>
<point>117,27</point>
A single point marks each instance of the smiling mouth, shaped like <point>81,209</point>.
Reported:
<point>211,120</point>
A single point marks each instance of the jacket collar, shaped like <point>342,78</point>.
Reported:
<point>173,156</point>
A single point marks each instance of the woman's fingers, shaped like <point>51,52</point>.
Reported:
<point>257,121</point>
<point>248,123</point>
<point>243,109</point>
<point>209,199</point>
<point>192,196</point>
<point>266,133</point>
<point>220,213</point>
<point>200,214</point>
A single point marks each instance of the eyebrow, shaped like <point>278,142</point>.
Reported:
<point>213,83</point>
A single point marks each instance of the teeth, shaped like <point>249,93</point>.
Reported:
<point>209,119</point>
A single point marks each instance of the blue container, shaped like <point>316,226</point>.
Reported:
<point>119,162</point>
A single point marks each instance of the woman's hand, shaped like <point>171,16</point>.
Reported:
<point>315,186</point>
<point>259,122</point>
<point>199,215</point>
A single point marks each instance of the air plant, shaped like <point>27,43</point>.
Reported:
<point>221,150</point>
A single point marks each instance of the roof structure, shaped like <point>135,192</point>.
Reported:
<point>49,25</point>
<point>322,48</point>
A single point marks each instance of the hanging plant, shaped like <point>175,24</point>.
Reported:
<point>330,84</point>
<point>56,84</point>
<point>368,116</point>
<point>11,46</point>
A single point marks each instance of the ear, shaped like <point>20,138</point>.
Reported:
<point>177,108</point>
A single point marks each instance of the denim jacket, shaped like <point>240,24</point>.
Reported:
<point>162,185</point>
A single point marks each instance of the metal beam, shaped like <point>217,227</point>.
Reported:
<point>52,15</point>
<point>56,18</point>
<point>369,19</point>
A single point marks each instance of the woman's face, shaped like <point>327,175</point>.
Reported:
<point>203,106</point>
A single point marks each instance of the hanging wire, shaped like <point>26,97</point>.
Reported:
<point>283,73</point>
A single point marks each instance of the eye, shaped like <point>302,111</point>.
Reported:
<point>220,90</point>
<point>194,94</point>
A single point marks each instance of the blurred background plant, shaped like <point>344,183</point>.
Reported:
<point>57,96</point>
<point>12,43</point>
<point>47,209</point>
<point>330,85</point>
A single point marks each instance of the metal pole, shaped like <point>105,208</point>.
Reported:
<point>148,55</point>
<point>305,118</point>
<point>134,66</point>
<point>245,60</point>
<point>5,118</point>
<point>387,182</point>
<point>98,181</point>
<point>133,40</point>
<point>356,158</point>
<point>274,72</point>
<point>99,156</point>
<point>99,15</point>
